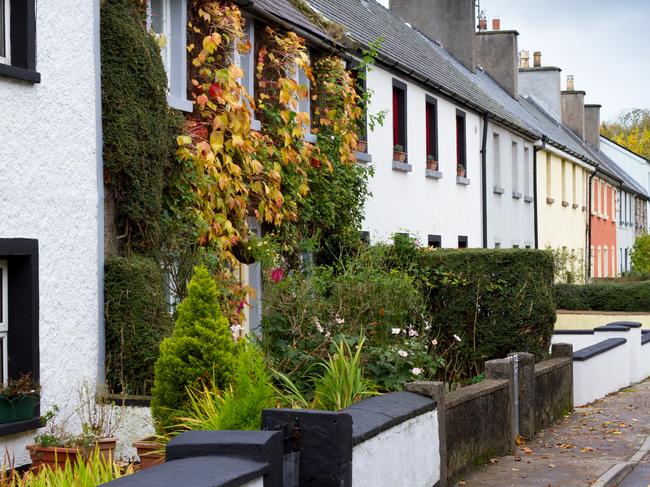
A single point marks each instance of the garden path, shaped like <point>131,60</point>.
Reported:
<point>579,449</point>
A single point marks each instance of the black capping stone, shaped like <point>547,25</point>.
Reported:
<point>573,332</point>
<point>324,439</point>
<point>597,349</point>
<point>260,446</point>
<point>629,324</point>
<point>644,332</point>
<point>612,327</point>
<point>217,471</point>
<point>380,413</point>
<point>645,338</point>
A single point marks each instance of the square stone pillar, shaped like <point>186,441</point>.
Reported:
<point>526,393</point>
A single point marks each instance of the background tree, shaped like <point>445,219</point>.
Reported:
<point>632,130</point>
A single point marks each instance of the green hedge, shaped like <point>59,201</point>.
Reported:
<point>495,301</point>
<point>137,319</point>
<point>628,296</point>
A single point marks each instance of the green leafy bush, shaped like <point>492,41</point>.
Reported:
<point>641,254</point>
<point>200,351</point>
<point>136,321</point>
<point>139,128</point>
<point>630,296</point>
<point>239,406</point>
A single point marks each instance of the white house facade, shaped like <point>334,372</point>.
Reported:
<point>51,228</point>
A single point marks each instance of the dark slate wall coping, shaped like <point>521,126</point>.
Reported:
<point>597,349</point>
<point>471,392</point>
<point>612,328</point>
<point>217,471</point>
<point>380,413</point>
<point>645,338</point>
<point>550,365</point>
<point>573,332</point>
<point>629,324</point>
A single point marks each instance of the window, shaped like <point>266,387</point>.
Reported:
<point>602,198</point>
<point>515,169</point>
<point>606,262</point>
<point>432,127</point>
<point>564,182</point>
<point>461,141</point>
<point>360,89</point>
<point>496,152</point>
<point>462,241</point>
<point>497,245</point>
<point>592,262</point>
<point>435,241</point>
<point>4,322</point>
<point>549,186</point>
<point>244,57</point>
<point>515,246</point>
<point>594,198</point>
<point>527,191</point>
<point>168,19</point>
<point>399,114</point>
<point>304,103</point>
<point>574,190</point>
<point>18,40</point>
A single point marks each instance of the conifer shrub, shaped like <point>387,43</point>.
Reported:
<point>200,351</point>
<point>136,321</point>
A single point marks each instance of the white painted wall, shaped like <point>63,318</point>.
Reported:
<point>49,190</point>
<point>579,341</point>
<point>601,375</point>
<point>645,359</point>
<point>135,424</point>
<point>625,230</point>
<point>511,221</point>
<point>411,202</point>
<point>390,458</point>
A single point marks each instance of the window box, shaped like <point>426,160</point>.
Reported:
<point>498,190</point>
<point>432,164</point>
<point>362,146</point>
<point>460,171</point>
<point>402,166</point>
<point>516,195</point>
<point>430,173</point>
<point>17,408</point>
<point>565,203</point>
<point>399,156</point>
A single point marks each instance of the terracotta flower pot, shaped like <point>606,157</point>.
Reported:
<point>399,156</point>
<point>432,164</point>
<point>460,171</point>
<point>106,447</point>
<point>52,457</point>
<point>150,452</point>
<point>362,146</point>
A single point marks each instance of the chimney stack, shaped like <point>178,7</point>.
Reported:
<point>496,24</point>
<point>524,58</point>
<point>592,125</point>
<point>497,53</point>
<point>573,108</point>
<point>451,22</point>
<point>537,59</point>
<point>542,84</point>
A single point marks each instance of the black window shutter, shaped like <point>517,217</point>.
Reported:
<point>23,34</point>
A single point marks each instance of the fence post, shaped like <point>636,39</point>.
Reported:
<point>436,391</point>
<point>526,393</point>
<point>504,369</point>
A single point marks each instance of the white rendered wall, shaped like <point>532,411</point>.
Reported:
<point>411,202</point>
<point>258,482</point>
<point>407,454</point>
<point>579,341</point>
<point>135,424</point>
<point>645,359</point>
<point>601,375</point>
<point>511,221</point>
<point>625,233</point>
<point>49,191</point>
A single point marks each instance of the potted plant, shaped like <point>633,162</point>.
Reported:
<point>362,146</point>
<point>18,399</point>
<point>460,170</point>
<point>398,153</point>
<point>151,451</point>
<point>432,163</point>
<point>99,420</point>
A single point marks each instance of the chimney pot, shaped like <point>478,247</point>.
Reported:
<point>570,84</point>
<point>537,59</point>
<point>524,58</point>
<point>482,24</point>
<point>496,24</point>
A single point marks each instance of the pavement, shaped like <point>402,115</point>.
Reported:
<point>580,449</point>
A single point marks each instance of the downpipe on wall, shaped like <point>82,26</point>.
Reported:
<point>484,179</point>
<point>536,149</point>
<point>588,226</point>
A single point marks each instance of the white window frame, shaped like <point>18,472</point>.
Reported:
<point>6,59</point>
<point>166,32</point>
<point>515,166</point>
<point>249,31</point>
<point>298,75</point>
<point>527,182</point>
<point>4,321</point>
<point>496,154</point>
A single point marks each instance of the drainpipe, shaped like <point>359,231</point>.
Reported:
<point>484,179</point>
<point>588,253</point>
<point>536,149</point>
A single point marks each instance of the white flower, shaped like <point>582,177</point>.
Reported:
<point>416,371</point>
<point>339,320</point>
<point>328,334</point>
<point>427,326</point>
<point>402,353</point>
<point>319,328</point>
<point>236,331</point>
<point>434,342</point>
<point>413,332</point>
<point>395,331</point>
<point>457,338</point>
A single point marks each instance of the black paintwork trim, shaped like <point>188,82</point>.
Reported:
<point>598,349</point>
<point>645,338</point>
<point>19,73</point>
<point>573,332</point>
<point>20,426</point>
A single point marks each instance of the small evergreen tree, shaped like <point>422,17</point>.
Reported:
<point>200,350</point>
<point>641,254</point>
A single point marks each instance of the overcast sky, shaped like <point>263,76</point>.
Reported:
<point>605,44</point>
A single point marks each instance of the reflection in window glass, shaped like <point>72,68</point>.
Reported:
<point>156,16</point>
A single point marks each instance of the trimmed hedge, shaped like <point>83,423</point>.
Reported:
<point>495,301</point>
<point>628,296</point>
<point>137,320</point>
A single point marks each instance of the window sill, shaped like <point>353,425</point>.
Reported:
<point>19,426</point>
<point>430,173</point>
<point>19,73</point>
<point>516,195</point>
<point>528,199</point>
<point>256,125</point>
<point>180,104</point>
<point>463,181</point>
<point>575,207</point>
<point>498,190</point>
<point>402,166</point>
<point>550,201</point>
<point>565,203</point>
<point>311,138</point>
<point>363,157</point>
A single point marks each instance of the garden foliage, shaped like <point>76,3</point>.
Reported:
<point>200,351</point>
<point>136,321</point>
<point>630,296</point>
<point>641,254</point>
